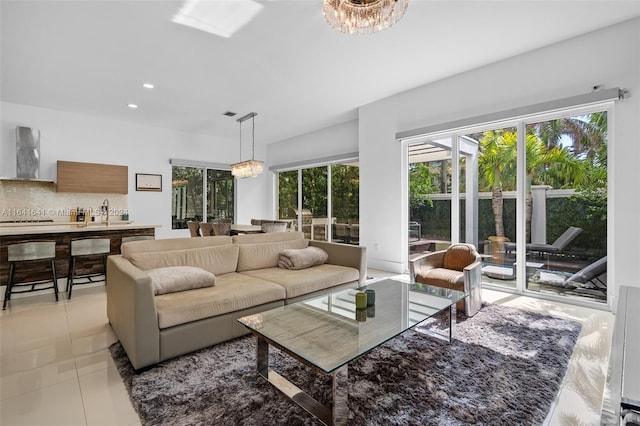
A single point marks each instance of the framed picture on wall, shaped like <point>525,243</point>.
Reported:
<point>148,182</point>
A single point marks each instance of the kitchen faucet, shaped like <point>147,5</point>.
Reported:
<point>105,206</point>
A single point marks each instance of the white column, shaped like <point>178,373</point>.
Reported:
<point>539,214</point>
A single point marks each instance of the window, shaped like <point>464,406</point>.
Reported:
<point>329,197</point>
<point>531,195</point>
<point>190,200</point>
<point>219,194</point>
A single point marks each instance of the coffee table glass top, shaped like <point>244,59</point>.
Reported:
<point>328,331</point>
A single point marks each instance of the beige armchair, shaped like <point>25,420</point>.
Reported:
<point>459,268</point>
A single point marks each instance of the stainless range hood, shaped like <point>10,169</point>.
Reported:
<point>27,153</point>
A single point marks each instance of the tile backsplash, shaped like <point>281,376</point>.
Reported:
<point>31,200</point>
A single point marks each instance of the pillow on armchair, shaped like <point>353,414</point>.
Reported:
<point>458,256</point>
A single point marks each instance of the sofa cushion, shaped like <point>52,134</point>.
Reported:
<point>217,260</point>
<point>446,278</point>
<point>265,255</point>
<point>179,278</point>
<point>172,244</point>
<point>304,281</point>
<point>232,292</point>
<point>270,237</point>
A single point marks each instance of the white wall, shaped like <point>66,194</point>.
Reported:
<point>75,137</point>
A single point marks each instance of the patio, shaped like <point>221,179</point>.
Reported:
<point>545,274</point>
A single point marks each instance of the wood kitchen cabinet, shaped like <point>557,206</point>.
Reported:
<point>92,177</point>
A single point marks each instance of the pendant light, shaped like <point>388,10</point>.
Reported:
<point>248,168</point>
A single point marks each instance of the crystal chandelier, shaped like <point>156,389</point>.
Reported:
<point>363,16</point>
<point>248,168</point>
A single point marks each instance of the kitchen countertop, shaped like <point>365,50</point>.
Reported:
<point>62,227</point>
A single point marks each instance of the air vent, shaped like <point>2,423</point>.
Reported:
<point>229,113</point>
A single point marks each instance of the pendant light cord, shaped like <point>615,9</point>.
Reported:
<point>240,161</point>
<point>251,115</point>
<point>253,137</point>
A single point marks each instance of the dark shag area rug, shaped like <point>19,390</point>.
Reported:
<point>504,367</point>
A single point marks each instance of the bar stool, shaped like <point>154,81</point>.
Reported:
<point>26,253</point>
<point>86,248</point>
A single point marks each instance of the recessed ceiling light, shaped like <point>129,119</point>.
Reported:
<point>148,85</point>
<point>132,106</point>
<point>229,113</point>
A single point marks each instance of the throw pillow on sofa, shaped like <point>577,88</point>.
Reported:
<point>302,258</point>
<point>179,278</point>
<point>265,255</point>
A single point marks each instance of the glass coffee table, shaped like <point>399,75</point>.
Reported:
<point>328,332</point>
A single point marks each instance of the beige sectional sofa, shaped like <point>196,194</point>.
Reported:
<point>154,327</point>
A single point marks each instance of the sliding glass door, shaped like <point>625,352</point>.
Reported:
<point>566,205</point>
<point>345,203</point>
<point>430,183</point>
<point>531,195</point>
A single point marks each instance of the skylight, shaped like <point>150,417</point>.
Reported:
<point>219,17</point>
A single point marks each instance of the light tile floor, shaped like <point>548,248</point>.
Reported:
<point>55,368</point>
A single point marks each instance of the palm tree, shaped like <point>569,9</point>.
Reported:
<point>588,133</point>
<point>495,159</point>
<point>497,164</point>
<point>539,158</point>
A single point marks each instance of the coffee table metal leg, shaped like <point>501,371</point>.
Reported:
<point>340,409</point>
<point>337,414</point>
<point>262,356</point>
<point>452,320</point>
<point>446,336</point>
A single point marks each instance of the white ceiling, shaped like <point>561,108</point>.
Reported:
<point>287,64</point>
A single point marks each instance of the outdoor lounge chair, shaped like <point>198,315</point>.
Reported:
<point>556,247</point>
<point>593,275</point>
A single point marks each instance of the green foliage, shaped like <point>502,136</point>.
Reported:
<point>563,153</point>
<point>420,186</point>
<point>345,187</point>
<point>287,194</point>
<point>555,166</point>
<point>436,219</point>
<point>587,211</point>
<point>345,184</point>
<point>314,191</point>
<point>497,160</point>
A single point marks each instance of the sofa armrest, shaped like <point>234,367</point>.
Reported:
<point>473,287</point>
<point>131,311</point>
<point>345,255</point>
<point>420,265</point>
